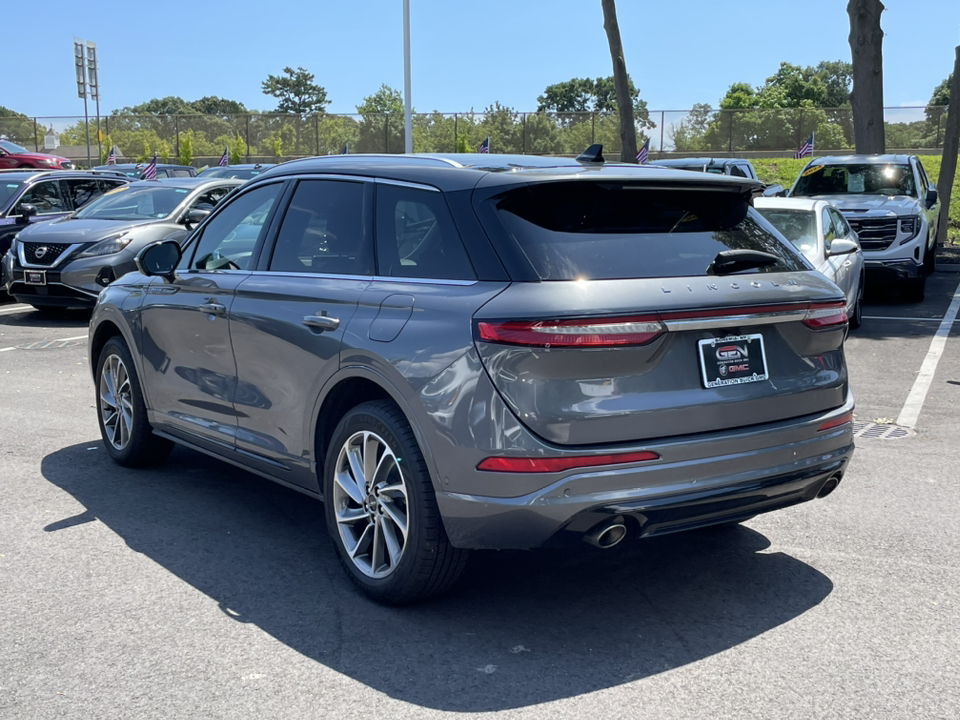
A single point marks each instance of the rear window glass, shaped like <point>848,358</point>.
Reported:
<point>601,231</point>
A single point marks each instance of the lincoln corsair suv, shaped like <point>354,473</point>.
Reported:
<point>483,351</point>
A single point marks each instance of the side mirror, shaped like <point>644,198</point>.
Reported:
<point>27,211</point>
<point>842,246</point>
<point>194,217</point>
<point>932,197</point>
<point>774,191</point>
<point>159,259</point>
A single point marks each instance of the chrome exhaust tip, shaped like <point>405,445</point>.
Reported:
<point>608,535</point>
<point>830,485</point>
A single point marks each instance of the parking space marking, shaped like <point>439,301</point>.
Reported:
<point>895,317</point>
<point>14,309</point>
<point>918,393</point>
<point>78,337</point>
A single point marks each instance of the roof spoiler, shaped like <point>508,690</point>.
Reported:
<point>593,154</point>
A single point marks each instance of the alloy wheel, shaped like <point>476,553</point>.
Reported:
<point>370,504</point>
<point>116,402</point>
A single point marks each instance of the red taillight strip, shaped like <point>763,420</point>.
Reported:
<point>559,464</point>
<point>586,332</point>
<point>836,422</point>
<point>823,316</point>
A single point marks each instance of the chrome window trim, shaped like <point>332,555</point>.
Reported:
<point>424,281</point>
<point>66,253</point>
<point>403,183</point>
<point>288,273</point>
<point>735,320</point>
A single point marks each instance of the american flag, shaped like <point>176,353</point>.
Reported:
<point>150,173</point>
<point>484,147</point>
<point>644,153</point>
<point>806,150</point>
<point>346,149</point>
<point>112,157</point>
<point>225,158</point>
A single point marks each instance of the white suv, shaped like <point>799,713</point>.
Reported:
<point>891,204</point>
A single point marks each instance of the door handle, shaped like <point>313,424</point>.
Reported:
<point>214,308</point>
<point>321,322</point>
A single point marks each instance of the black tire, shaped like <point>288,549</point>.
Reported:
<point>930,259</point>
<point>138,446</point>
<point>427,564</point>
<point>915,290</point>
<point>856,319</point>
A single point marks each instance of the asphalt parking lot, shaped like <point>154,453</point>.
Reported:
<point>197,590</point>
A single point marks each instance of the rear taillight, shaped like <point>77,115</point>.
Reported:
<point>836,422</point>
<point>606,332</point>
<point>826,316</point>
<point>559,464</point>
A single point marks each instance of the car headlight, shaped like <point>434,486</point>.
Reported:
<point>50,161</point>
<point>909,226</point>
<point>108,246</point>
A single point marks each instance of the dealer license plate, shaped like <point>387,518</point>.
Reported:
<point>732,360</point>
<point>35,277</point>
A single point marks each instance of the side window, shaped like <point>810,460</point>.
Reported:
<point>737,171</point>
<point>840,225</point>
<point>83,190</point>
<point>829,231</point>
<point>322,231</point>
<point>209,199</point>
<point>229,239</point>
<point>47,197</point>
<point>924,181</point>
<point>416,236</point>
<point>178,173</point>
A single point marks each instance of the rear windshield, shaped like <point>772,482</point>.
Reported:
<point>869,179</point>
<point>797,226</point>
<point>602,231</point>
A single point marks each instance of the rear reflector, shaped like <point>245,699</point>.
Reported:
<point>559,464</point>
<point>826,316</point>
<point>606,332</point>
<point>836,422</point>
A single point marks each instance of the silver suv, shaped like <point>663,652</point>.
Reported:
<point>482,351</point>
<point>891,204</point>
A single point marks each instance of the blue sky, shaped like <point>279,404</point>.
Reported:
<point>464,55</point>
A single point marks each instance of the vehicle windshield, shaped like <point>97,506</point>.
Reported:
<point>867,179</point>
<point>797,226</point>
<point>130,202</point>
<point>8,190</point>
<point>606,231</point>
<point>229,172</point>
<point>12,147</point>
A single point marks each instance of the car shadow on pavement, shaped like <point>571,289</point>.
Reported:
<point>521,628</point>
<point>54,318</point>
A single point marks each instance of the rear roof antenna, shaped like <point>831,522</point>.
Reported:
<point>593,154</point>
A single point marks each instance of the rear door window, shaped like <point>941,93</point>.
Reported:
<point>598,231</point>
<point>46,196</point>
<point>82,190</point>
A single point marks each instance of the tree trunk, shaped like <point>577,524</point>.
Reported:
<point>866,45</point>
<point>628,131</point>
<point>951,147</point>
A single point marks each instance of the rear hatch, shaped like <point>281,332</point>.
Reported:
<point>654,312</point>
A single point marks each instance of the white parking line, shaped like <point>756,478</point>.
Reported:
<point>913,405</point>
<point>78,337</point>
<point>14,309</point>
<point>895,317</point>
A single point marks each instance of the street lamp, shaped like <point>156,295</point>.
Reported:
<point>85,60</point>
<point>407,104</point>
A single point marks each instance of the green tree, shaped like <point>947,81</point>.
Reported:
<point>163,150</point>
<point>238,148</point>
<point>381,124</point>
<point>213,105</point>
<point>937,107</point>
<point>583,95</point>
<point>186,148</point>
<point>296,92</point>
<point>690,133</point>
<point>18,128</point>
<point>278,147</point>
<point>145,154</point>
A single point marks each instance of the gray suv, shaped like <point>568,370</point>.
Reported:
<point>891,204</point>
<point>483,351</point>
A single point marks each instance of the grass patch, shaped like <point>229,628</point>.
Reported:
<point>786,170</point>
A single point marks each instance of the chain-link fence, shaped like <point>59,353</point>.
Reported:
<point>259,137</point>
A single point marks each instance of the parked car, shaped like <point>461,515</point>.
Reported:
<point>67,262</point>
<point>822,234</point>
<point>15,156</point>
<point>135,170</point>
<point>484,351</point>
<point>891,204</point>
<point>244,172</point>
<point>28,196</point>
<point>737,167</point>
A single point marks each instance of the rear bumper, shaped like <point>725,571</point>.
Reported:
<point>789,464</point>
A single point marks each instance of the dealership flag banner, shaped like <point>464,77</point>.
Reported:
<point>644,153</point>
<point>806,150</point>
<point>225,158</point>
<point>112,157</point>
<point>151,171</point>
<point>484,146</point>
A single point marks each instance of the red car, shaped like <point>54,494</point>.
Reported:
<point>14,156</point>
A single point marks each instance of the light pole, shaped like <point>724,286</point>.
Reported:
<point>86,67</point>
<point>407,105</point>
